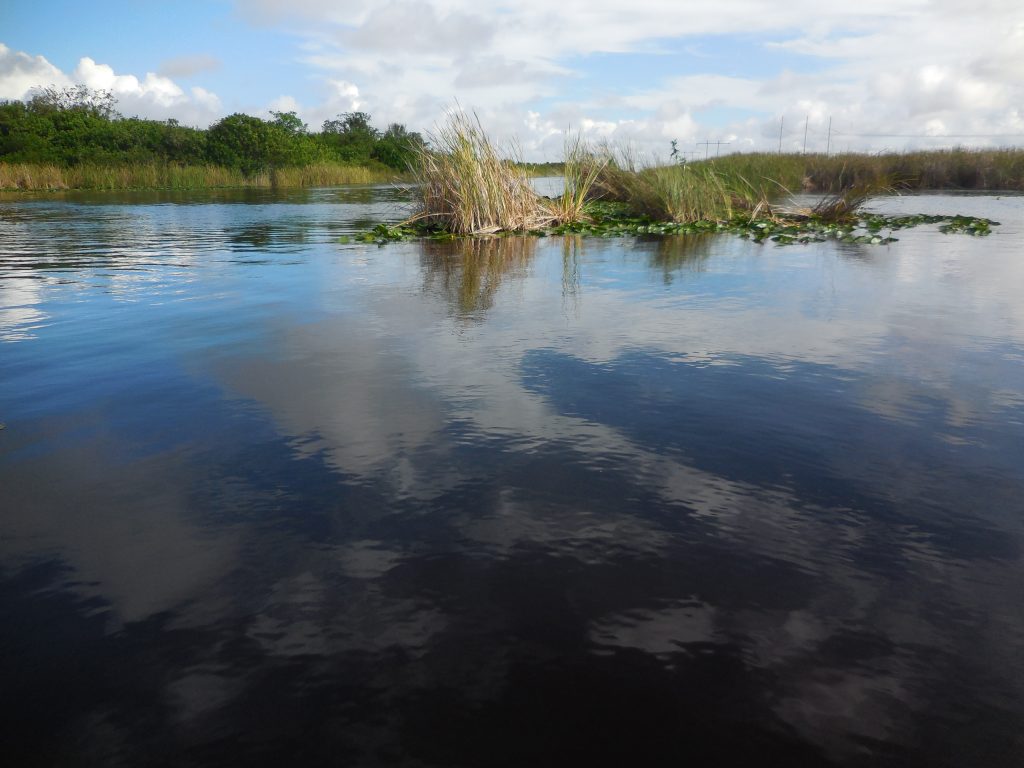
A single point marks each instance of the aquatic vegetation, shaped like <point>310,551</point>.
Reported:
<point>844,205</point>
<point>467,187</point>
<point>606,219</point>
<point>582,167</point>
<point>383,233</point>
<point>968,225</point>
<point>327,175</point>
<point>682,193</point>
<point>31,176</point>
<point>871,229</point>
<point>959,168</point>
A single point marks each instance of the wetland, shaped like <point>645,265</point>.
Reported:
<point>272,494</point>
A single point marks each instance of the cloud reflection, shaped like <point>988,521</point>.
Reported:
<point>711,510</point>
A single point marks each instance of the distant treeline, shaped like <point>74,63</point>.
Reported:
<point>79,126</point>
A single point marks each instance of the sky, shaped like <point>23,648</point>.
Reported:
<point>873,75</point>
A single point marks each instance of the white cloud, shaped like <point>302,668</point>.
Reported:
<point>883,66</point>
<point>529,70</point>
<point>20,73</point>
<point>154,96</point>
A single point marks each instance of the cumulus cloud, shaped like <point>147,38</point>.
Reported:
<point>882,73</point>
<point>154,96</point>
<point>20,73</point>
<point>874,67</point>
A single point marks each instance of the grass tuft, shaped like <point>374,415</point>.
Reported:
<point>468,188</point>
<point>582,167</point>
<point>683,193</point>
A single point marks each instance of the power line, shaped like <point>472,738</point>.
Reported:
<point>707,146</point>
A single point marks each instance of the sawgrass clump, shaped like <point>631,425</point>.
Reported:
<point>582,167</point>
<point>468,188</point>
<point>682,193</point>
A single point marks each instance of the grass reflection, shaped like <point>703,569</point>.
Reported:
<point>676,253</point>
<point>469,272</point>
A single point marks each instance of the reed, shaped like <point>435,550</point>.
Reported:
<point>682,193</point>
<point>328,175</point>
<point>468,188</point>
<point>29,176</point>
<point>958,168</point>
<point>581,169</point>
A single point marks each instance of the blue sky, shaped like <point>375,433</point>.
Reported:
<point>140,37</point>
<point>644,72</point>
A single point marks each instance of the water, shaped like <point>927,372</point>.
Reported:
<point>269,498</point>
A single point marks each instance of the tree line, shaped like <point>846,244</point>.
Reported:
<point>78,125</point>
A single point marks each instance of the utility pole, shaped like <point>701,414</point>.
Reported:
<point>782,122</point>
<point>806,121</point>
<point>828,145</point>
<point>707,146</point>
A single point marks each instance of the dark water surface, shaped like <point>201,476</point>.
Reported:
<point>272,499</point>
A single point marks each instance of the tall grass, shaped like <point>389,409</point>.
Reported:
<point>328,175</point>
<point>29,176</point>
<point>468,188</point>
<point>681,193</point>
<point>581,169</point>
<point>989,169</point>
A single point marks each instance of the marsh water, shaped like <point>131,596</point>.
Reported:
<point>273,498</point>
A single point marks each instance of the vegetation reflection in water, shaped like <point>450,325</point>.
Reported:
<point>469,272</point>
<point>399,506</point>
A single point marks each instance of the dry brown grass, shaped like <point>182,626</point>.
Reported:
<point>31,176</point>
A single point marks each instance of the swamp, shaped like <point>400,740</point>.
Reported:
<point>287,483</point>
